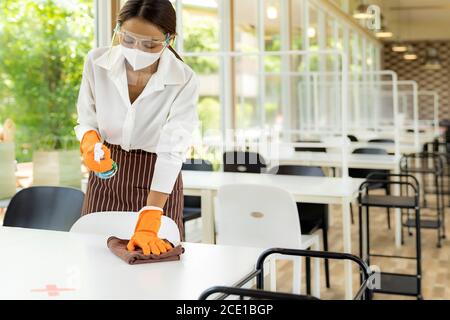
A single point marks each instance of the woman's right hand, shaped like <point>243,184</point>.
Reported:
<point>88,143</point>
<point>104,165</point>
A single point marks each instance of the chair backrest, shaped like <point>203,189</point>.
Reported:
<point>352,138</point>
<point>122,225</point>
<point>363,173</point>
<point>376,151</point>
<point>381,141</point>
<point>45,208</point>
<point>245,162</point>
<point>257,216</point>
<point>309,149</point>
<point>413,131</point>
<point>195,165</point>
<point>307,211</point>
<point>298,171</point>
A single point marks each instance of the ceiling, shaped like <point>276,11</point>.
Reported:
<point>417,19</point>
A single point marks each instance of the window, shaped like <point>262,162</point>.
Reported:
<point>200,34</point>
<point>297,25</point>
<point>43,45</point>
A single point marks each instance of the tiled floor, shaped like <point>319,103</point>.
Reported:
<point>435,262</point>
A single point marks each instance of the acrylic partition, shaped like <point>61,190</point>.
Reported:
<point>429,100</point>
<point>408,113</point>
<point>268,94</point>
<point>372,112</point>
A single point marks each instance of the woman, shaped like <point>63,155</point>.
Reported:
<point>138,99</point>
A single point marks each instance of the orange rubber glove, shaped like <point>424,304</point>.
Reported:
<point>90,139</point>
<point>146,233</point>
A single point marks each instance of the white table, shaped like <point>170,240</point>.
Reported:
<point>405,137</point>
<point>304,189</point>
<point>56,265</point>
<point>355,161</point>
<point>334,160</point>
<point>405,148</point>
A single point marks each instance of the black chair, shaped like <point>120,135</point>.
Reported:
<point>312,216</point>
<point>314,149</point>
<point>365,292</point>
<point>192,204</point>
<point>381,174</point>
<point>310,149</point>
<point>381,141</point>
<point>352,138</point>
<point>244,162</point>
<point>413,131</point>
<point>45,208</point>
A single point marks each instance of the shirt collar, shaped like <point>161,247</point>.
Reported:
<point>170,69</point>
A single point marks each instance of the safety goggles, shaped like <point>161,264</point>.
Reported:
<point>147,44</point>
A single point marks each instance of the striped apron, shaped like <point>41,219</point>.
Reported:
<point>128,190</point>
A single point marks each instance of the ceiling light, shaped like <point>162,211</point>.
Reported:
<point>399,48</point>
<point>432,65</point>
<point>384,34</point>
<point>362,13</point>
<point>433,62</point>
<point>311,32</point>
<point>410,56</point>
<point>272,13</point>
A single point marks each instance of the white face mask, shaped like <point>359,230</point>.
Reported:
<point>139,59</point>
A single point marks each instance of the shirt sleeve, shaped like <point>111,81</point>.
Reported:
<point>87,119</point>
<point>176,138</point>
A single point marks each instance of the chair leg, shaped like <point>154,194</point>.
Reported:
<point>316,273</point>
<point>297,270</point>
<point>273,274</point>
<point>351,213</point>
<point>308,275</point>
<point>327,264</point>
<point>389,218</point>
<point>388,210</point>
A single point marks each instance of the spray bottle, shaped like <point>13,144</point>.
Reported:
<point>99,154</point>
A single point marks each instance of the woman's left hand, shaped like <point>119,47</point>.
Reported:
<point>146,233</point>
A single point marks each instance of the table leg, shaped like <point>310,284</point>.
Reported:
<point>347,240</point>
<point>208,228</point>
<point>398,216</point>
<point>316,273</point>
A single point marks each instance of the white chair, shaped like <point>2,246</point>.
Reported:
<point>264,217</point>
<point>122,225</point>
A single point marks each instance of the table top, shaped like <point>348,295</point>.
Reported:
<point>389,147</point>
<point>303,188</point>
<point>322,159</point>
<point>57,265</point>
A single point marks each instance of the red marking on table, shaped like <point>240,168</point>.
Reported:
<point>52,290</point>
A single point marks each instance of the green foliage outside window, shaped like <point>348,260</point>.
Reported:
<point>43,44</point>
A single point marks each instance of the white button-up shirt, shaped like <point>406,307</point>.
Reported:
<point>161,120</point>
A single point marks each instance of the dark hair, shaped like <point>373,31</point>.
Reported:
<point>161,13</point>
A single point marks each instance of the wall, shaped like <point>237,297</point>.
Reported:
<point>431,80</point>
